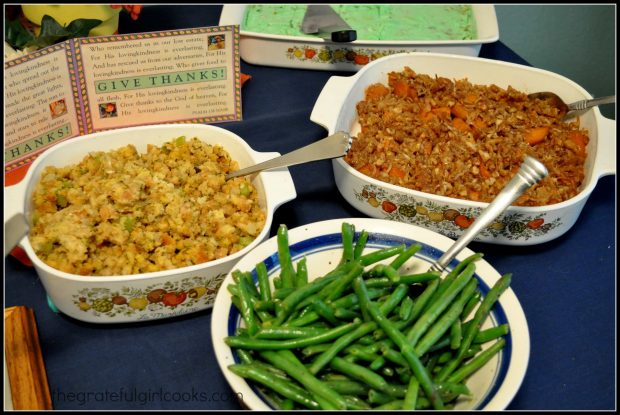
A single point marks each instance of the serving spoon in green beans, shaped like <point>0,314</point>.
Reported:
<point>530,173</point>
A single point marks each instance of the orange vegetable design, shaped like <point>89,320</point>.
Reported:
<point>536,223</point>
<point>388,206</point>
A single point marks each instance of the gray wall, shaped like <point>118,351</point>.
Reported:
<point>573,40</point>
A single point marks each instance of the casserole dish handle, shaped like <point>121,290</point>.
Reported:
<point>606,152</point>
<point>333,95</point>
<point>15,223</point>
<point>282,182</point>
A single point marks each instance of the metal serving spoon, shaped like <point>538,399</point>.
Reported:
<point>572,109</point>
<point>530,173</point>
<point>336,145</point>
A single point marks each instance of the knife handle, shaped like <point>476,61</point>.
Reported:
<point>343,36</point>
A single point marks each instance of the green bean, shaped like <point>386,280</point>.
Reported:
<point>244,356</point>
<point>491,333</point>
<point>473,328</point>
<point>383,270</point>
<point>411,397</point>
<point>287,405</point>
<point>406,307</point>
<point>286,361</point>
<point>348,232</point>
<point>362,354</point>
<point>246,309</point>
<point>394,405</point>
<point>440,304</point>
<point>456,334</point>
<point>379,398</point>
<point>325,311</point>
<point>394,299</point>
<point>277,282</point>
<point>279,333</point>
<point>360,373</point>
<point>380,255</point>
<point>293,299</point>
<point>344,314</point>
<point>394,356</point>
<point>422,300</point>
<point>477,362</point>
<point>284,388</point>
<point>282,293</point>
<point>343,283</point>
<point>405,255</point>
<point>355,403</point>
<point>347,386</point>
<point>301,276</point>
<point>451,315</point>
<point>377,364</point>
<point>315,349</point>
<point>347,301</point>
<point>360,244</point>
<point>401,341</point>
<point>262,344</point>
<point>453,274</point>
<point>323,359</point>
<point>471,304</point>
<point>287,271</point>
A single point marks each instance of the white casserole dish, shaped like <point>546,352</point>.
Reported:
<point>335,109</point>
<point>290,51</point>
<point>189,289</point>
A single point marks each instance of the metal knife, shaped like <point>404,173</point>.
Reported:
<point>323,21</point>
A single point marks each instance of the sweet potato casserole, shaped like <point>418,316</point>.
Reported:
<point>456,139</point>
<point>120,212</point>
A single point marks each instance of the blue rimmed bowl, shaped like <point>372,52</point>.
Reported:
<point>492,387</point>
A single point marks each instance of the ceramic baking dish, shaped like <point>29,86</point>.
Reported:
<point>112,299</point>
<point>335,109</point>
<point>315,53</point>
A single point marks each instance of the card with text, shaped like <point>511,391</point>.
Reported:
<point>91,84</point>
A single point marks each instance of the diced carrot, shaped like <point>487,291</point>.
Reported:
<point>441,111</point>
<point>459,111</point>
<point>401,88</point>
<point>376,91</point>
<point>484,172</point>
<point>460,124</point>
<point>166,239</point>
<point>581,141</point>
<point>367,169</point>
<point>396,171</point>
<point>427,115</point>
<point>474,195</point>
<point>536,135</point>
<point>479,123</point>
<point>471,99</point>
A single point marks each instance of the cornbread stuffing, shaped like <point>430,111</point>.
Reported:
<point>122,213</point>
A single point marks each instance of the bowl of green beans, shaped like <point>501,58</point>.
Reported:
<point>345,314</point>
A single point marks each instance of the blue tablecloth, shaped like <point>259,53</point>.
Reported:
<point>566,286</point>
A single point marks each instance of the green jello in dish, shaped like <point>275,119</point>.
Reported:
<point>372,21</point>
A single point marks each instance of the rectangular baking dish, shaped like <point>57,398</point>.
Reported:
<point>319,54</point>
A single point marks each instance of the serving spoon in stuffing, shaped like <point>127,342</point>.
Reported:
<point>572,109</point>
<point>335,145</point>
<point>530,173</point>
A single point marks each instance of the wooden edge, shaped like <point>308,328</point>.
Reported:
<point>24,361</point>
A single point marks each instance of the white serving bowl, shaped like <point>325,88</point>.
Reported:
<point>335,109</point>
<point>493,386</point>
<point>279,50</point>
<point>67,291</point>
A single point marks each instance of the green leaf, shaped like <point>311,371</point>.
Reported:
<point>15,34</point>
<point>53,32</point>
